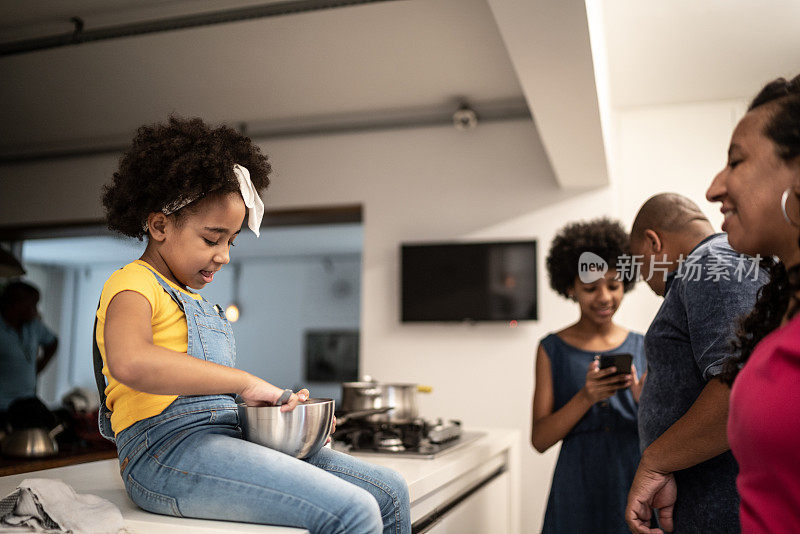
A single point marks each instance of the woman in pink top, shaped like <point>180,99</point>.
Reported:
<point>760,194</point>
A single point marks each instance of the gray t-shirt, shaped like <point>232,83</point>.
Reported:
<point>685,346</point>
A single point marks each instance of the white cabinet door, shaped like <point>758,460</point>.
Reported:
<point>484,512</point>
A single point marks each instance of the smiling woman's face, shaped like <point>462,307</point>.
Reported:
<point>750,188</point>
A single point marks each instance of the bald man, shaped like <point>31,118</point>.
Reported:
<point>687,470</point>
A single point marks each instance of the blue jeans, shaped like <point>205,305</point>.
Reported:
<point>191,461</point>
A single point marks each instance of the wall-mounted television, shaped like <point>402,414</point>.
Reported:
<point>468,281</point>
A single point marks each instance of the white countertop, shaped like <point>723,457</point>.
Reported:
<point>428,479</point>
<point>427,476</point>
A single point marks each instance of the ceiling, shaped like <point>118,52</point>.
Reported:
<point>28,18</point>
<point>414,61</point>
<point>274,243</point>
<point>392,58</point>
<point>370,58</point>
<point>667,52</point>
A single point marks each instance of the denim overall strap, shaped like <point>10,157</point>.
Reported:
<point>209,337</point>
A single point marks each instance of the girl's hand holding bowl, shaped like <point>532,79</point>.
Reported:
<point>294,400</point>
<point>261,393</point>
<point>333,429</point>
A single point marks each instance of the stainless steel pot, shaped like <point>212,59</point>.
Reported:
<point>368,395</point>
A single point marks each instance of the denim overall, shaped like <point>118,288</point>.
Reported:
<point>191,460</point>
<point>210,338</point>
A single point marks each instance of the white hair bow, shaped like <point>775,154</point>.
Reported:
<point>254,204</point>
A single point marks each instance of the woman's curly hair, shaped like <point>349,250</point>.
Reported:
<point>184,158</point>
<point>777,295</point>
<point>603,237</point>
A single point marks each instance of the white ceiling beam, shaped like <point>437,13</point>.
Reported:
<point>548,43</point>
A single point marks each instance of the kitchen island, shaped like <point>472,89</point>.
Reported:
<point>471,489</point>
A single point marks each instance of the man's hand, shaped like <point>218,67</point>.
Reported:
<point>650,489</point>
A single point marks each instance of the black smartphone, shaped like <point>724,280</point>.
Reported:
<point>621,361</point>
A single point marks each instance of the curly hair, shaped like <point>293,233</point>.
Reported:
<point>777,295</point>
<point>184,158</point>
<point>603,237</point>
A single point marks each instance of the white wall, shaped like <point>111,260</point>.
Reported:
<point>54,190</point>
<point>432,184</point>
<point>490,183</point>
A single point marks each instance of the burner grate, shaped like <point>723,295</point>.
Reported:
<point>420,437</point>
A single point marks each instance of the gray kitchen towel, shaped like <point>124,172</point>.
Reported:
<point>50,505</point>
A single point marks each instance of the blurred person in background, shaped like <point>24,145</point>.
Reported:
<point>26,344</point>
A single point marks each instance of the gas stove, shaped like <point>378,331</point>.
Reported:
<point>420,438</point>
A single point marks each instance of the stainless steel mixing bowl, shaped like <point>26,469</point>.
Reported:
<point>299,433</point>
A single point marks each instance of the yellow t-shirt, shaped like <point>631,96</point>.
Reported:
<point>169,331</point>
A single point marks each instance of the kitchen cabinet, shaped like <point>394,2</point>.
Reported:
<point>476,485</point>
<point>485,511</point>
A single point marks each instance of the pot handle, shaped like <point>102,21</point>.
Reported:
<point>56,431</point>
<point>342,419</point>
<point>424,389</point>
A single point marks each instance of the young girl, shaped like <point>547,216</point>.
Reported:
<point>169,355</point>
<point>592,411</point>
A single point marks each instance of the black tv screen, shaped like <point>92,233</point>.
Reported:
<point>468,281</point>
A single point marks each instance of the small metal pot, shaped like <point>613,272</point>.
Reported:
<point>402,398</point>
<point>32,442</point>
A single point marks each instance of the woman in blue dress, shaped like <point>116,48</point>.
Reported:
<point>592,411</point>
